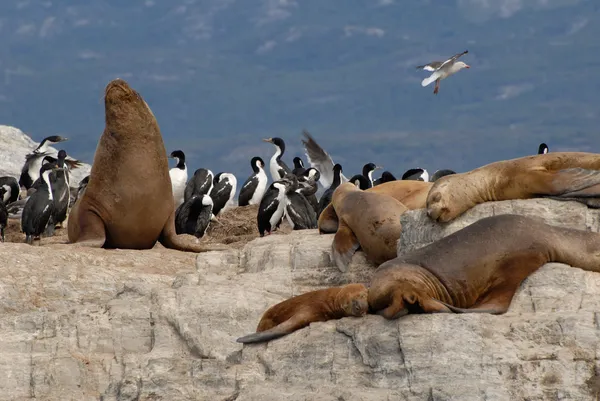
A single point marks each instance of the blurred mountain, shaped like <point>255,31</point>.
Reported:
<point>222,74</point>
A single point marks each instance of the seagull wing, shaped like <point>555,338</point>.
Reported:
<point>319,159</point>
<point>452,59</point>
<point>434,65</point>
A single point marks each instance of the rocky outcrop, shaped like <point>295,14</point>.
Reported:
<point>85,324</point>
<point>14,145</point>
<point>419,230</point>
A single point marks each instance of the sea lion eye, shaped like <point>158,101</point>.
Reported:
<point>437,197</point>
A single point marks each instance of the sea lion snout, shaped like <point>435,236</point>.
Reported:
<point>116,89</point>
<point>359,307</point>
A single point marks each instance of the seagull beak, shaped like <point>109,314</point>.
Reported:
<point>268,140</point>
<point>467,66</point>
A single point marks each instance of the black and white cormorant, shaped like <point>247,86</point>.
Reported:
<point>319,159</point>
<point>298,167</point>
<point>368,172</point>
<point>223,191</point>
<point>39,206</point>
<point>11,189</point>
<point>543,149</point>
<point>3,214</point>
<point>277,166</point>
<point>178,176</point>
<point>201,183</point>
<point>386,176</point>
<point>272,207</point>
<point>255,186</point>
<point>308,186</point>
<point>416,174</point>
<point>193,216</point>
<point>298,211</point>
<point>59,179</point>
<point>328,194</point>
<point>360,181</point>
<point>441,173</point>
<point>33,161</point>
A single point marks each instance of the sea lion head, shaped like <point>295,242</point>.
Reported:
<point>352,299</point>
<point>342,190</point>
<point>397,289</point>
<point>446,201</point>
<point>124,107</point>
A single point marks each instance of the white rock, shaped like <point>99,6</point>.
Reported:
<point>15,144</point>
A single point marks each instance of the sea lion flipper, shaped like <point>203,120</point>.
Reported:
<point>85,228</point>
<point>493,309</point>
<point>294,323</point>
<point>261,336</point>
<point>344,245</point>
<point>169,239</point>
<point>576,183</point>
<point>328,220</point>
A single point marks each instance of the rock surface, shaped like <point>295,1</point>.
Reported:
<point>14,145</point>
<point>419,230</point>
<point>89,324</point>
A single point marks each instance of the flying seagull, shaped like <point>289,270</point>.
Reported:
<point>442,70</point>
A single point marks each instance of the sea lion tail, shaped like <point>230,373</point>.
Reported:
<point>262,336</point>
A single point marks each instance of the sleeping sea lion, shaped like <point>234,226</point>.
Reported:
<point>368,220</point>
<point>558,175</point>
<point>128,201</point>
<point>410,193</point>
<point>478,268</point>
<point>315,306</point>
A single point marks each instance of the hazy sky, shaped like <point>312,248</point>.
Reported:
<point>220,75</point>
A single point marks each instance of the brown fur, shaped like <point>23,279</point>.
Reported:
<point>368,220</point>
<point>128,202</point>
<point>478,268</point>
<point>410,193</point>
<point>558,175</point>
<point>315,306</point>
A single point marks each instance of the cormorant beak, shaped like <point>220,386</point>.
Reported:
<point>378,167</point>
<point>268,140</point>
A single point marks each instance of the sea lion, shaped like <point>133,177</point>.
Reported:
<point>315,306</point>
<point>368,220</point>
<point>478,268</point>
<point>558,175</point>
<point>410,193</point>
<point>128,201</point>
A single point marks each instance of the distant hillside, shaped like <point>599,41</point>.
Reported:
<point>222,74</point>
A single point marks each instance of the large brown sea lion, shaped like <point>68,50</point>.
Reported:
<point>368,220</point>
<point>411,194</point>
<point>478,268</point>
<point>128,201</point>
<point>558,175</point>
<point>315,306</point>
